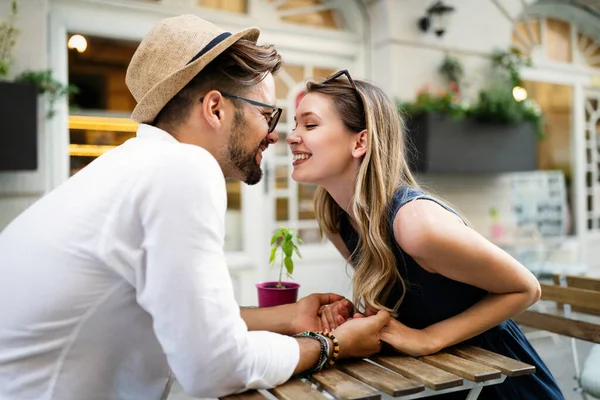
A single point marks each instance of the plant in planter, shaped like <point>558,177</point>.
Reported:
<point>497,103</point>
<point>452,136</point>
<point>451,68</point>
<point>8,39</point>
<point>284,244</point>
<point>48,86</point>
<point>43,80</point>
<point>443,101</point>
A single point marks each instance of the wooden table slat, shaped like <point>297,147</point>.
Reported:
<point>506,365</point>
<point>459,366</point>
<point>250,395</point>
<point>432,377</point>
<point>295,389</point>
<point>382,379</point>
<point>343,386</point>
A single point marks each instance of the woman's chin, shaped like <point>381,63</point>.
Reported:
<point>299,177</point>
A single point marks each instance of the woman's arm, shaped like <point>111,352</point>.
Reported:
<point>441,243</point>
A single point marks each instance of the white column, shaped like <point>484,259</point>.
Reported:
<point>579,168</point>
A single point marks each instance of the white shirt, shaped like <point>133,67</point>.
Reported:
<point>119,274</point>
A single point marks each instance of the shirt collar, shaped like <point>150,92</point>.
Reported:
<point>146,131</point>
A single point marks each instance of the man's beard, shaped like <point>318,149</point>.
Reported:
<point>241,159</point>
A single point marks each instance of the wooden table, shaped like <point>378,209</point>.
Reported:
<point>394,376</point>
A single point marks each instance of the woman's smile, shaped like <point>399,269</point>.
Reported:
<point>300,158</point>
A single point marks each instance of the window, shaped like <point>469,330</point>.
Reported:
<point>293,202</point>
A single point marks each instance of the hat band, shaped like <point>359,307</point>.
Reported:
<point>210,45</point>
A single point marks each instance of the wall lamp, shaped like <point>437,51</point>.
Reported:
<point>436,18</point>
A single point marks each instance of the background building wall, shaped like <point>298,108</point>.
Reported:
<point>405,59</point>
<point>20,189</point>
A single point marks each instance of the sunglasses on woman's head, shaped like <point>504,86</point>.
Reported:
<point>345,73</point>
<point>337,75</point>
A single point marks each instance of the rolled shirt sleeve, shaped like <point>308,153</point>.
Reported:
<point>184,283</point>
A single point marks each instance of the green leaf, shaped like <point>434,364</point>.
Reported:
<point>47,85</point>
<point>297,251</point>
<point>288,247</point>
<point>275,236</point>
<point>289,265</point>
<point>272,256</point>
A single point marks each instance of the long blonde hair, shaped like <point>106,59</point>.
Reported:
<point>383,170</point>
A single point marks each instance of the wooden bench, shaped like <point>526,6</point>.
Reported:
<point>454,369</point>
<point>576,310</point>
<point>576,314</point>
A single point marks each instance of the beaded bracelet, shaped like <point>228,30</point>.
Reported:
<point>323,355</point>
<point>336,347</point>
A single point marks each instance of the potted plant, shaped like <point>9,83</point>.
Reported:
<point>450,135</point>
<point>18,106</point>
<point>47,86</point>
<point>8,39</point>
<point>19,102</point>
<point>26,84</point>
<point>284,244</point>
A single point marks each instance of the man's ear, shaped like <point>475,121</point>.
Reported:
<point>213,108</point>
<point>360,144</point>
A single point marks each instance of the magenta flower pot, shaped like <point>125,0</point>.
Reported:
<point>269,295</point>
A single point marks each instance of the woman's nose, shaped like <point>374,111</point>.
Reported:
<point>292,139</point>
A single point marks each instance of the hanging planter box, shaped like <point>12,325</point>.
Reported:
<point>445,145</point>
<point>18,134</point>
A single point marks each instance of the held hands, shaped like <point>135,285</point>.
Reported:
<point>336,313</point>
<point>359,337</point>
<point>358,334</point>
<point>306,313</point>
<point>413,342</point>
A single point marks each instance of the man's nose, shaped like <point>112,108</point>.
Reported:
<point>273,137</point>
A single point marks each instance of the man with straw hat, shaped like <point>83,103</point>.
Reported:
<point>118,276</point>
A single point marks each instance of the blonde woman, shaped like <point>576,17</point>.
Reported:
<point>412,255</point>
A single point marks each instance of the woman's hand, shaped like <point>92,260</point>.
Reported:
<point>413,342</point>
<point>360,336</point>
<point>335,314</point>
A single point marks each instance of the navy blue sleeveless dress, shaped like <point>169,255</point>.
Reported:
<point>431,298</point>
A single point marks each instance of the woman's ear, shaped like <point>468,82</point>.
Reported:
<point>360,144</point>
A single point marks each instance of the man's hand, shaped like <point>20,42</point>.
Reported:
<point>413,342</point>
<point>305,315</point>
<point>335,314</point>
<point>359,336</point>
<point>289,319</point>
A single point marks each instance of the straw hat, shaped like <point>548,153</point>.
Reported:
<point>170,55</point>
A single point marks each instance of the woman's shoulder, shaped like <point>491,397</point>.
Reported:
<point>407,194</point>
<point>403,196</point>
<point>417,222</point>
